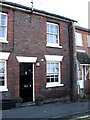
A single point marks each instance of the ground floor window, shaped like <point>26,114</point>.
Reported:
<point>53,69</point>
<point>3,75</point>
<point>53,74</point>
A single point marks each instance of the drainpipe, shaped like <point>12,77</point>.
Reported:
<point>72,53</point>
<point>12,52</point>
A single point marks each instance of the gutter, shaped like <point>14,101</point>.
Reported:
<point>35,11</point>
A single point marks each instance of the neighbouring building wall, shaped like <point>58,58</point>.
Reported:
<point>83,57</point>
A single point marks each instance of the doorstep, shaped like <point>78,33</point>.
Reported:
<point>25,104</point>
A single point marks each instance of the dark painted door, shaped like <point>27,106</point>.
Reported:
<point>26,81</point>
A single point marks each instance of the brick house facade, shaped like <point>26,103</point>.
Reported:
<point>33,63</point>
<point>83,58</point>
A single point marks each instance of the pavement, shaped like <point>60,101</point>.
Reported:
<point>56,110</point>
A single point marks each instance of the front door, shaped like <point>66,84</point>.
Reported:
<point>82,76</point>
<point>26,81</point>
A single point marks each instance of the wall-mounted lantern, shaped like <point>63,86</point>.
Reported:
<point>38,64</point>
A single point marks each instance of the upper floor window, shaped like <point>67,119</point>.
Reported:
<point>3,27</point>
<point>52,34</point>
<point>78,38</point>
<point>88,39</point>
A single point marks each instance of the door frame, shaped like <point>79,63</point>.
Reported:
<point>83,80</point>
<point>33,84</point>
<point>32,60</point>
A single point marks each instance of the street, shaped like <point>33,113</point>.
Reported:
<point>51,110</point>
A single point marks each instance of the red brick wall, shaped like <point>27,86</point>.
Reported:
<point>29,39</point>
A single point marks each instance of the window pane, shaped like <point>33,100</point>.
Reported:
<point>48,27</point>
<point>3,20</point>
<point>54,39</point>
<point>48,79</point>
<point>52,79</point>
<point>2,67</point>
<point>2,80</point>
<point>56,79</point>
<point>2,31</point>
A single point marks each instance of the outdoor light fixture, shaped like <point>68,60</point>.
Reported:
<point>42,60</point>
<point>38,64</point>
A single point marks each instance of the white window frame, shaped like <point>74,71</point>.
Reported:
<point>78,38</point>
<point>54,58</point>
<point>3,58</point>
<point>4,39</point>
<point>48,44</point>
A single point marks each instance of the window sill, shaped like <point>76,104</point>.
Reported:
<point>79,45</point>
<point>54,85</point>
<point>54,46</point>
<point>3,89</point>
<point>3,41</point>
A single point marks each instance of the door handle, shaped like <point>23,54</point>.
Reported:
<point>29,85</point>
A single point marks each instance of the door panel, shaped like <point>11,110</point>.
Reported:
<point>26,81</point>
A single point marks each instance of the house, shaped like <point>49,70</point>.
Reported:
<point>36,56</point>
<point>82,36</point>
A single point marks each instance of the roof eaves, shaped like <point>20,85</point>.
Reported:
<point>40,11</point>
<point>55,15</point>
<point>82,28</point>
